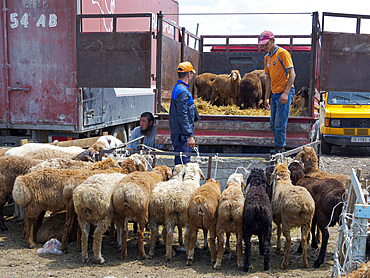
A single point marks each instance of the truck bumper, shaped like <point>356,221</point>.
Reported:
<point>351,141</point>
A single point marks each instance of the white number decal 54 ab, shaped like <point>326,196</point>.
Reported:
<point>14,22</point>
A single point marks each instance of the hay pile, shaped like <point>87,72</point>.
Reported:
<point>204,108</point>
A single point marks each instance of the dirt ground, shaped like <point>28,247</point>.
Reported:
<point>17,260</point>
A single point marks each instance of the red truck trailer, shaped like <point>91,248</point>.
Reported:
<point>71,69</point>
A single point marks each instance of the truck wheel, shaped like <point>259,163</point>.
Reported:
<point>325,146</point>
<point>120,133</point>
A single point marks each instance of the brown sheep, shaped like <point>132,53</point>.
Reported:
<point>327,194</point>
<point>300,100</point>
<point>225,88</point>
<point>131,201</point>
<point>296,172</point>
<point>311,166</point>
<point>10,168</point>
<point>250,93</point>
<point>84,156</point>
<point>262,76</point>
<point>53,228</point>
<point>40,191</point>
<point>292,206</point>
<point>203,215</point>
<point>362,272</point>
<point>204,82</point>
<point>230,217</point>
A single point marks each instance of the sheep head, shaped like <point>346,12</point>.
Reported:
<point>236,178</point>
<point>178,172</point>
<point>234,75</point>
<point>282,172</point>
<point>192,168</point>
<point>139,161</point>
<point>164,171</point>
<point>307,155</point>
<point>257,177</point>
<point>105,164</point>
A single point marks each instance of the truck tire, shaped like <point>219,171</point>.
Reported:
<point>325,146</point>
<point>120,133</point>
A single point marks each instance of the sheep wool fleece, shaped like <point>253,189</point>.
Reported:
<point>181,118</point>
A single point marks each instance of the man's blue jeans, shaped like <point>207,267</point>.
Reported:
<point>180,144</point>
<point>279,117</point>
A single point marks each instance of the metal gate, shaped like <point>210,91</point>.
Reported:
<point>345,58</point>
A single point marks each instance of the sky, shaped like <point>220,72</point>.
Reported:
<point>278,24</point>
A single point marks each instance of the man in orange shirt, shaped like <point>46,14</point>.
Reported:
<point>280,77</point>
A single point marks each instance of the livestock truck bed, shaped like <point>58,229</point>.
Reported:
<point>240,134</point>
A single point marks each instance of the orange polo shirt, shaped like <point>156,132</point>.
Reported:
<point>276,65</point>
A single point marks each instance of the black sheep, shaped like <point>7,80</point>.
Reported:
<point>327,193</point>
<point>257,217</point>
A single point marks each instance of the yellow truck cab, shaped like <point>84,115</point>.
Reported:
<point>344,119</point>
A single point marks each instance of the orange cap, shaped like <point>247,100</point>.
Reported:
<point>185,67</point>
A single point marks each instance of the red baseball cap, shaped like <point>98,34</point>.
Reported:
<point>265,37</point>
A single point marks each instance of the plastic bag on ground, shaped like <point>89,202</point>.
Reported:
<point>52,247</point>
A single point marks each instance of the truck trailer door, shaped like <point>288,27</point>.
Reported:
<point>38,53</point>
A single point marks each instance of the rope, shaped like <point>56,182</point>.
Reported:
<point>150,148</point>
<point>182,162</point>
<point>245,169</point>
<point>332,214</point>
<point>147,164</point>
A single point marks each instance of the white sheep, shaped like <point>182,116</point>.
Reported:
<point>230,217</point>
<point>93,204</point>
<point>35,147</point>
<point>105,142</point>
<point>177,204</point>
<point>157,205</point>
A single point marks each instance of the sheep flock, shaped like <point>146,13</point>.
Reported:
<point>91,198</point>
<point>234,94</point>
